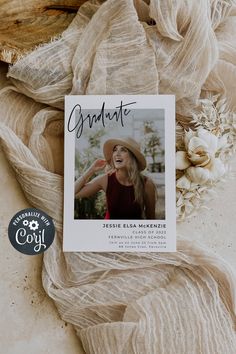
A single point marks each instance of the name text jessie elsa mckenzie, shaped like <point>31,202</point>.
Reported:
<point>155,226</point>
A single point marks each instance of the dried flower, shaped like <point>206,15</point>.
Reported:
<point>201,162</point>
<point>200,158</point>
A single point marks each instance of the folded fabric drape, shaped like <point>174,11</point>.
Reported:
<point>138,303</point>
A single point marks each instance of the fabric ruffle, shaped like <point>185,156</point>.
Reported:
<point>181,302</point>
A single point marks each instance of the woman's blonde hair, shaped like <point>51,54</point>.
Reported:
<point>136,178</point>
<point>138,181</point>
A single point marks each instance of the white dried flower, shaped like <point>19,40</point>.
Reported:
<point>200,160</point>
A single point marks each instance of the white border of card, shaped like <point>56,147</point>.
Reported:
<point>104,235</point>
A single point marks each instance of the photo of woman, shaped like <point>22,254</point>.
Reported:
<point>129,193</point>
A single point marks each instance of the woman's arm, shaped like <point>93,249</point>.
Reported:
<point>84,189</point>
<point>150,199</point>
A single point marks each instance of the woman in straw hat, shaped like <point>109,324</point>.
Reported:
<point>129,194</point>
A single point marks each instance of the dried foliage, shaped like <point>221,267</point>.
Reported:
<point>193,190</point>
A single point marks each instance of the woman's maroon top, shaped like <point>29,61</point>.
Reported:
<point>121,201</point>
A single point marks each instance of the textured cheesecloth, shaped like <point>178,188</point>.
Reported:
<point>125,303</point>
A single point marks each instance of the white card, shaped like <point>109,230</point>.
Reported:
<point>119,184</point>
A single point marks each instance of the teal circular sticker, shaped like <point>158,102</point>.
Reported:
<point>31,231</point>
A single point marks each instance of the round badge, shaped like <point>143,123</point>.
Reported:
<point>31,231</point>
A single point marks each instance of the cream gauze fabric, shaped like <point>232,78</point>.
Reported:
<point>125,303</point>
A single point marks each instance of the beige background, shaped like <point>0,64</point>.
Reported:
<point>29,320</point>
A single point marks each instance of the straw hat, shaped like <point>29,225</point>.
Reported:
<point>130,144</point>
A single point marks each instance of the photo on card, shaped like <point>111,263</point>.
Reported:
<point>119,187</point>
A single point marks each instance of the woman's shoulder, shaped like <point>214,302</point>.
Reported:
<point>149,184</point>
<point>101,180</point>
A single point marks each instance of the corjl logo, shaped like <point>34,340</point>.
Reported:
<point>31,231</point>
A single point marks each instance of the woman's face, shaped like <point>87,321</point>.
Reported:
<point>121,157</point>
